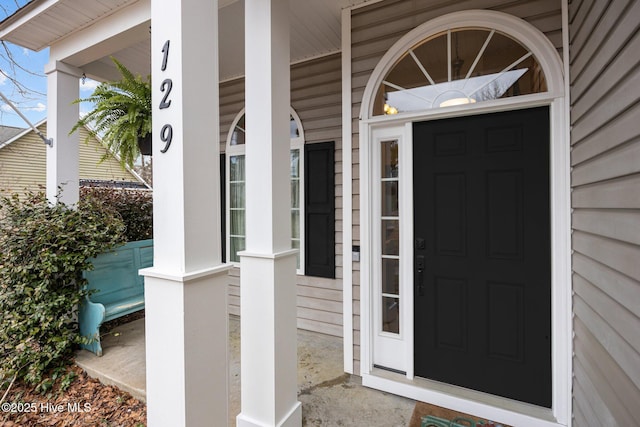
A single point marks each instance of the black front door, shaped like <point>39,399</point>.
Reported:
<point>483,253</point>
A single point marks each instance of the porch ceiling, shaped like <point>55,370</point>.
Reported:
<point>315,30</point>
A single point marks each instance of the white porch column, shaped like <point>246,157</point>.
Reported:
<point>267,281</point>
<point>62,114</point>
<point>186,289</point>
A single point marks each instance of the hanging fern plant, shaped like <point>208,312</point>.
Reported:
<point>121,116</point>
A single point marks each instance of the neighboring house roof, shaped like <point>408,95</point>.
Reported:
<point>23,162</point>
<point>8,132</point>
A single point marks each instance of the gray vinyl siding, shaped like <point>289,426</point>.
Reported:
<point>377,27</point>
<point>605,160</point>
<point>316,97</point>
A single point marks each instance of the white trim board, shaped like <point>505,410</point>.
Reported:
<point>467,401</point>
<point>347,196</point>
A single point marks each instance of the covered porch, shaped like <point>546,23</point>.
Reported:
<point>345,76</point>
<point>329,396</point>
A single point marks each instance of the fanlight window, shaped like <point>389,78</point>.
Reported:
<point>460,66</point>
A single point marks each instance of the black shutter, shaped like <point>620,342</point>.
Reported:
<point>223,208</point>
<point>319,194</point>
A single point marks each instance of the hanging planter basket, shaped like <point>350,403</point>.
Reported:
<point>144,144</point>
<point>121,115</point>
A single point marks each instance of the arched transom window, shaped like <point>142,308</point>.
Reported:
<point>459,66</point>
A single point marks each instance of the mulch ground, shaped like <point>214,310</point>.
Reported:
<point>87,402</point>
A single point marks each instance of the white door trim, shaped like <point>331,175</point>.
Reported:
<point>453,397</point>
<point>347,196</point>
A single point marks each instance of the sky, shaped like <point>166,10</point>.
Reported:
<point>29,94</point>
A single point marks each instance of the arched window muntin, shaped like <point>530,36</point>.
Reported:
<point>235,179</point>
<point>505,26</point>
<point>456,67</point>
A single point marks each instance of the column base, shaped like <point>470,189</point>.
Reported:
<point>268,340</point>
<point>186,345</point>
<point>292,419</point>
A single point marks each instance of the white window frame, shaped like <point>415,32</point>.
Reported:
<point>391,348</point>
<point>239,150</point>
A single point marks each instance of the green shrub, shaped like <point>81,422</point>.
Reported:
<point>134,206</point>
<point>45,249</point>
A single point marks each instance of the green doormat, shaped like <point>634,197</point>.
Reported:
<point>436,416</point>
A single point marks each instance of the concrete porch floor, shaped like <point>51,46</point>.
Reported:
<point>329,396</point>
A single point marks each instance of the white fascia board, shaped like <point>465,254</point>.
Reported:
<point>22,16</point>
<point>108,35</point>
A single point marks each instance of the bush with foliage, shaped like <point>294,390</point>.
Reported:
<point>45,249</point>
<point>134,206</point>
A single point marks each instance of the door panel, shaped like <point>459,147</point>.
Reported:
<point>482,254</point>
<point>450,217</point>
<point>504,215</point>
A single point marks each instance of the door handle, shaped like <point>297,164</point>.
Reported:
<point>420,275</point>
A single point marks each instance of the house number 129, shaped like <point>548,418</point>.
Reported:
<point>166,133</point>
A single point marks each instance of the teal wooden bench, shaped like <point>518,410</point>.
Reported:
<point>118,288</point>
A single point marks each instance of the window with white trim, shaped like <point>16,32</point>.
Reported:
<point>235,154</point>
